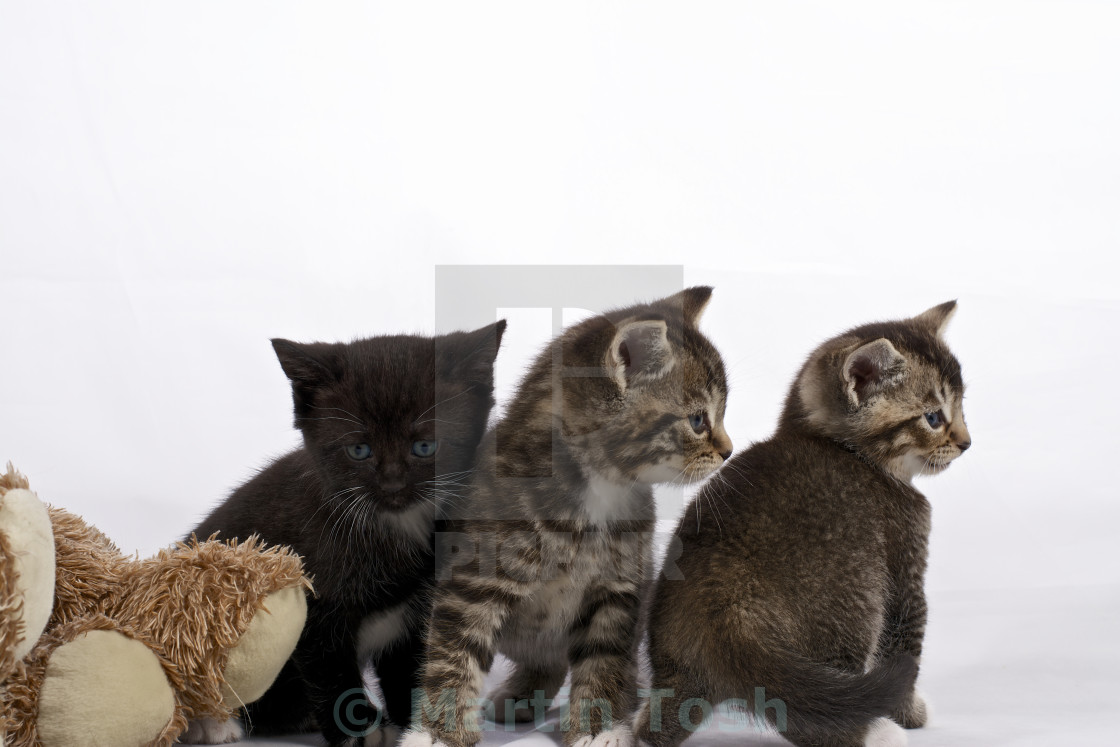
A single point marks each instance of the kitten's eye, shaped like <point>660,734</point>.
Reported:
<point>358,452</point>
<point>424,448</point>
<point>699,422</point>
<point>935,419</point>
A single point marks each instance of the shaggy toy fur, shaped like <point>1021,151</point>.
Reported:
<point>190,605</point>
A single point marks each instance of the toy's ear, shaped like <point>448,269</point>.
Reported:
<point>27,569</point>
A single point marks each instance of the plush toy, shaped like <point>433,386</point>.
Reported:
<point>101,650</point>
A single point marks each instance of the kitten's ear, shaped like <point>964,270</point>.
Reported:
<point>640,352</point>
<point>309,365</point>
<point>691,302</point>
<point>871,368</point>
<point>937,318</point>
<point>471,355</point>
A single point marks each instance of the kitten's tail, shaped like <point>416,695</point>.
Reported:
<point>819,699</point>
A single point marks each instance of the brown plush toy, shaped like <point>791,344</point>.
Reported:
<point>131,649</point>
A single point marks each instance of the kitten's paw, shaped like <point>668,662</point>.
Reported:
<point>620,736</point>
<point>386,736</point>
<point>915,713</point>
<point>212,731</point>
<point>416,738</point>
<point>885,733</point>
<point>419,738</point>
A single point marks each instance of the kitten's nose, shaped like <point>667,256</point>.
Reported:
<point>722,442</point>
<point>963,445</point>
<point>391,486</point>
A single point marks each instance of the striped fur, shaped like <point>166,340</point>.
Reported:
<point>810,588</point>
<point>546,560</point>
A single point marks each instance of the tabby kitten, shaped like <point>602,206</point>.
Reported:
<point>548,553</point>
<point>390,426</point>
<point>809,588</point>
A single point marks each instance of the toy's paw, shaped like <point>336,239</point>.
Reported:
<point>259,655</point>
<point>104,688</point>
<point>620,736</point>
<point>885,733</point>
<point>212,731</point>
<point>915,713</point>
<point>30,550</point>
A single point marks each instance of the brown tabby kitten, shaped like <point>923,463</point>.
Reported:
<point>808,590</point>
<point>548,554</point>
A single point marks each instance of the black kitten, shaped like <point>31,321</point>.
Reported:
<point>390,426</point>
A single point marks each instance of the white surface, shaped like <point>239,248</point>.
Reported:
<point>181,182</point>
<point>1000,668</point>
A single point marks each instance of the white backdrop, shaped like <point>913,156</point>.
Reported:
<point>181,182</point>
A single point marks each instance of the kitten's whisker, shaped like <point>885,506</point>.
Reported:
<point>358,521</point>
<point>357,420</point>
<point>437,404</point>
<point>347,518</point>
<point>333,417</point>
<point>344,505</point>
<point>328,501</point>
<point>456,473</point>
<point>344,435</point>
<point>448,485</point>
<point>715,511</point>
<point>738,471</point>
<point>452,478</point>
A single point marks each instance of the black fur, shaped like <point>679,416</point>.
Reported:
<point>354,522</point>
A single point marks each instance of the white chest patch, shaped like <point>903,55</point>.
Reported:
<point>606,500</point>
<point>415,523</point>
<point>380,630</point>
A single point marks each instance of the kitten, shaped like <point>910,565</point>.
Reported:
<point>809,585</point>
<point>548,553</point>
<point>390,426</point>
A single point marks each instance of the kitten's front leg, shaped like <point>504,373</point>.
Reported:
<point>462,639</point>
<point>345,716</point>
<point>604,673</point>
<point>398,672</point>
